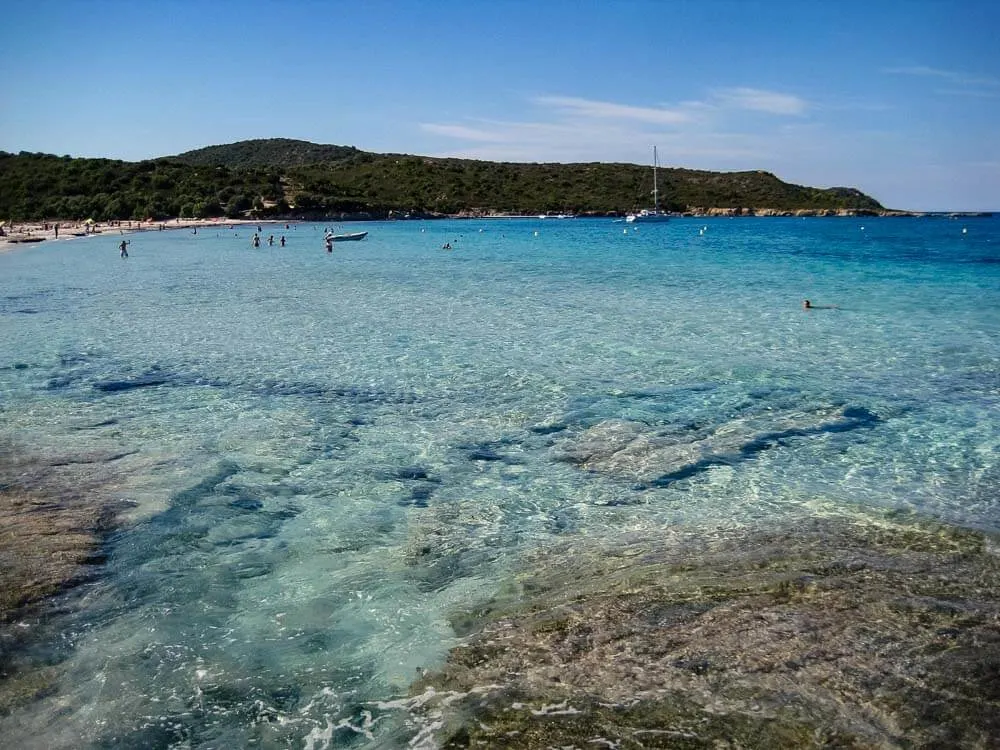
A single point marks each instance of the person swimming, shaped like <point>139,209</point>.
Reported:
<point>807,305</point>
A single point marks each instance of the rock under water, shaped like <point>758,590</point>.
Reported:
<point>657,456</point>
<point>853,631</point>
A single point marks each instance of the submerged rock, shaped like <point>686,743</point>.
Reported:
<point>55,511</point>
<point>856,632</point>
<point>53,514</point>
<point>657,456</point>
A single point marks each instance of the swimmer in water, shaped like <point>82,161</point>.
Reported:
<point>807,305</point>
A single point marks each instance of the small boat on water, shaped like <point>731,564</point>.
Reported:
<point>654,214</point>
<point>347,237</point>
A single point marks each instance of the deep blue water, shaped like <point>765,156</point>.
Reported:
<point>328,455</point>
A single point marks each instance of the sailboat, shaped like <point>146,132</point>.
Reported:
<point>650,215</point>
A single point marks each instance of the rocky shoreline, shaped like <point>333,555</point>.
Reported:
<point>865,630</point>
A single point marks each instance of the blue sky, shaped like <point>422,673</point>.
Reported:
<point>900,99</point>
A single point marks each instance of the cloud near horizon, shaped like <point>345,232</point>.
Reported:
<point>464,132</point>
<point>610,110</point>
<point>576,113</point>
<point>760,100</point>
<point>572,128</point>
<point>986,84</point>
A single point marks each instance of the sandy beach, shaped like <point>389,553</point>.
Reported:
<point>26,233</point>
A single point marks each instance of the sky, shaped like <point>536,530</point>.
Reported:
<point>898,98</point>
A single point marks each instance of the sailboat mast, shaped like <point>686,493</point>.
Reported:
<point>656,202</point>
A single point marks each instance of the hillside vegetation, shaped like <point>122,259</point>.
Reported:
<point>283,177</point>
<point>278,153</point>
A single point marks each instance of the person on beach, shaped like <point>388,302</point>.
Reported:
<point>123,248</point>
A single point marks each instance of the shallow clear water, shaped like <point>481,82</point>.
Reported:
<point>333,454</point>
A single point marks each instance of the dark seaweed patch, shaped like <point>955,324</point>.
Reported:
<point>490,451</point>
<point>247,503</point>
<point>484,454</point>
<point>406,473</point>
<point>418,497</point>
<point>854,418</point>
<point>548,429</point>
<point>92,458</point>
<point>104,423</point>
<point>353,394</point>
<point>59,382</point>
<point>144,381</point>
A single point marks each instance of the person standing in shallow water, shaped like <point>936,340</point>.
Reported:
<point>123,248</point>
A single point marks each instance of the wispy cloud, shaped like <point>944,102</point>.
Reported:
<point>965,80</point>
<point>918,70</point>
<point>975,93</point>
<point>695,133</point>
<point>500,131</point>
<point>760,100</point>
<point>696,150</point>
<point>611,110</point>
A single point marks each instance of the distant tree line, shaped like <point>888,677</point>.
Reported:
<point>281,177</point>
<point>39,186</point>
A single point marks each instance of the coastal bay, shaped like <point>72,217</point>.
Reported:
<point>562,481</point>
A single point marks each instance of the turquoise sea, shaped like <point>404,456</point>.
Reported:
<point>319,459</point>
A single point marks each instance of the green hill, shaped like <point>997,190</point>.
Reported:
<point>284,177</point>
<point>266,152</point>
